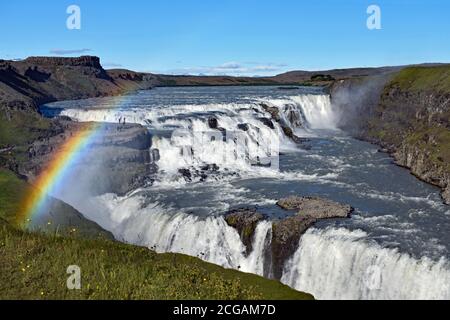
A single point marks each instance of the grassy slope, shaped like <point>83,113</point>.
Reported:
<point>435,79</point>
<point>33,266</point>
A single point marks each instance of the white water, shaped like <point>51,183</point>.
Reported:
<point>331,263</point>
<point>164,230</point>
<point>339,264</point>
<point>194,144</point>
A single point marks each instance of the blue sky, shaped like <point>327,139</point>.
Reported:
<point>238,37</point>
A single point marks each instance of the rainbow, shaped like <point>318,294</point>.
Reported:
<point>57,170</point>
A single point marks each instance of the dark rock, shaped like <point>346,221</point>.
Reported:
<point>186,173</point>
<point>286,235</point>
<point>213,123</point>
<point>286,232</point>
<point>273,111</point>
<point>290,134</point>
<point>245,222</point>
<point>243,126</point>
<point>210,167</point>
<point>267,122</point>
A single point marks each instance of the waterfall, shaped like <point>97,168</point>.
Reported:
<point>164,230</point>
<point>329,263</point>
<point>340,264</point>
<point>241,137</point>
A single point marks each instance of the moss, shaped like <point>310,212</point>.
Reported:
<point>249,230</point>
<point>12,191</point>
<point>424,79</point>
<point>21,127</point>
<point>435,142</point>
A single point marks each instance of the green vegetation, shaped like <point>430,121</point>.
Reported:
<point>424,79</point>
<point>21,127</point>
<point>33,266</point>
<point>322,77</point>
<point>435,142</point>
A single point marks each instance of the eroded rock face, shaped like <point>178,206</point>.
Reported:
<point>286,232</point>
<point>273,111</point>
<point>245,222</point>
<point>286,235</point>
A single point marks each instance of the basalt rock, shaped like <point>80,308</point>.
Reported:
<point>267,122</point>
<point>243,126</point>
<point>245,222</point>
<point>315,207</point>
<point>273,111</point>
<point>290,134</point>
<point>286,235</point>
<point>213,123</point>
<point>286,232</point>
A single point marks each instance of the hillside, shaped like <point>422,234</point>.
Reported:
<point>413,121</point>
<point>408,114</point>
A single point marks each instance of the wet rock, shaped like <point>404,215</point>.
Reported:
<point>210,167</point>
<point>243,126</point>
<point>213,123</point>
<point>245,222</point>
<point>267,122</point>
<point>286,235</point>
<point>286,232</point>
<point>186,173</point>
<point>273,111</point>
<point>290,134</point>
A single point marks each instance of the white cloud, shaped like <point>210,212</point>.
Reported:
<point>111,65</point>
<point>232,69</point>
<point>63,52</point>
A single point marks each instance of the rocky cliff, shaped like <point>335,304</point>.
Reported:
<point>37,80</point>
<point>29,141</point>
<point>408,114</point>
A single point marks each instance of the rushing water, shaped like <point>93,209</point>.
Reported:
<point>395,246</point>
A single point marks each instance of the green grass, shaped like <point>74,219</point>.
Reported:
<point>21,127</point>
<point>424,79</point>
<point>33,266</point>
